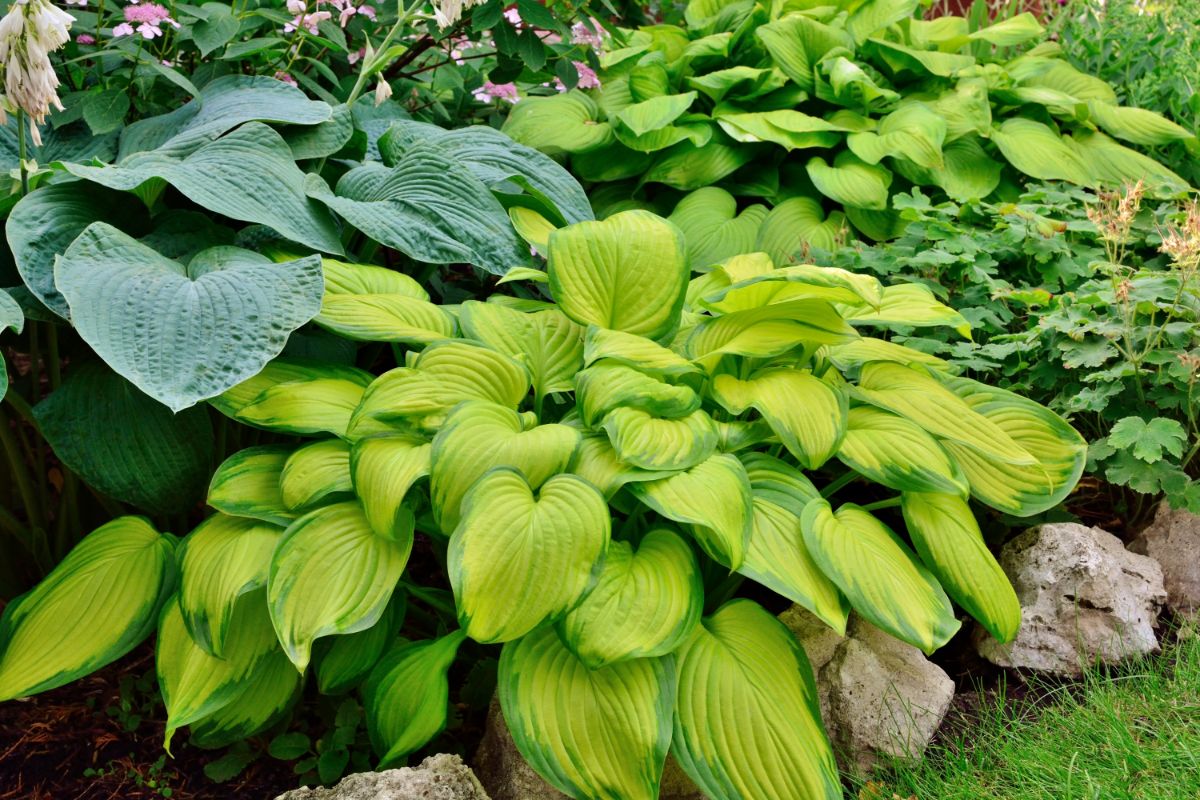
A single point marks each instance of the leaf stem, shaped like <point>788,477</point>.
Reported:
<point>889,503</point>
<point>21,150</point>
<point>373,64</point>
<point>838,483</point>
<point>20,472</point>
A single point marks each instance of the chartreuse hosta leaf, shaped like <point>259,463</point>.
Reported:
<point>520,555</point>
<point>850,180</point>
<point>898,453</point>
<point>221,560</point>
<point>855,353</point>
<point>799,282</point>
<point>607,385</point>
<point>914,132</point>
<point>645,603</point>
<point>635,351</point>
<point>747,720</point>
<point>768,331</point>
<point>776,556</point>
<point>1040,152</point>
<point>935,408</point>
<point>947,537</point>
<point>880,576</point>
<point>797,42</point>
<point>445,374</point>
<point>596,461</point>
<point>195,683</point>
<point>713,228</point>
<point>369,303</point>
<point>284,370</point>
<point>320,405</point>
<point>314,473</point>
<point>345,278</point>
<point>628,272</point>
<point>218,320</point>
<point>797,224</point>
<point>342,661</point>
<point>262,700</point>
<point>548,343</point>
<point>99,603</point>
<point>807,414</point>
<point>383,469</point>
<point>613,751</point>
<point>1116,165</point>
<point>247,485</point>
<point>478,436</point>
<point>713,497</point>
<point>407,696</point>
<point>647,442</point>
<point>564,123</point>
<point>908,305</point>
<point>308,599</point>
<point>1136,125</point>
<point>1019,490</point>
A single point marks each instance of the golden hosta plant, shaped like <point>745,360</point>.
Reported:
<point>600,469</point>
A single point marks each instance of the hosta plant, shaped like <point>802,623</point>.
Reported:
<point>818,114</point>
<point>598,471</point>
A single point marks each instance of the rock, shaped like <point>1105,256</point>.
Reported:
<point>440,777</point>
<point>1173,540</point>
<point>1084,597</point>
<point>507,776</point>
<point>880,697</point>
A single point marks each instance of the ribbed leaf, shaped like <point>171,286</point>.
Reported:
<point>913,131</point>
<point>776,556</point>
<point>247,485</point>
<point>564,123</point>
<point>880,576</point>
<point>343,661</point>
<point>1009,32</point>
<point>636,351</point>
<point>1136,125</point>
<point>1039,152</point>
<point>686,166</point>
<point>769,331</point>
<point>309,598</point>
<point>875,15</point>
<point>284,370</point>
<point>851,181</point>
<point>597,462</point>
<point>1115,165</point>
<point>314,473</point>
<point>645,602</point>
<point>548,343</point>
<point>518,558</point>
<point>321,405</point>
<point>946,535</point>
<point>384,318</point>
<point>794,225</point>
<point>713,497</point>
<point>606,385</point>
<point>797,42</point>
<point>713,228</point>
<point>747,723</point>
<point>599,733</point>
<point>220,561</point>
<point>407,696</point>
<point>99,603</point>
<point>799,282</point>
<point>383,469</point>
<point>262,699</point>
<point>648,442</point>
<point>807,414</point>
<point>218,321</point>
<point>909,305</point>
<point>628,272</point>
<point>478,436</point>
<point>898,453</point>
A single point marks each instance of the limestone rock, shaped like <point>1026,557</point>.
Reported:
<point>1084,597</point>
<point>440,777</point>
<point>1173,540</point>
<point>880,697</point>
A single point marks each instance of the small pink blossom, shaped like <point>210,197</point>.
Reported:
<point>496,91</point>
<point>85,38</point>
<point>288,79</point>
<point>356,56</point>
<point>308,22</point>
<point>124,29</point>
<point>590,34</point>
<point>513,16</point>
<point>149,16</point>
<point>588,79</point>
<point>296,7</point>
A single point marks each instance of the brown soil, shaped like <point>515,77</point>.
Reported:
<point>47,744</point>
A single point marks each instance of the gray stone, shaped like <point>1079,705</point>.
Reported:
<point>1084,598</point>
<point>880,698</point>
<point>507,776</point>
<point>1173,540</point>
<point>440,777</point>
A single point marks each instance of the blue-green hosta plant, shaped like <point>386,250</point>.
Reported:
<point>817,114</point>
<point>600,469</point>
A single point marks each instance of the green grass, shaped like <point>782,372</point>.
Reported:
<point>1133,734</point>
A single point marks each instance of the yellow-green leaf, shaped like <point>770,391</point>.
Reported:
<point>383,469</point>
<point>314,472</point>
<point>323,405</point>
<point>651,443</point>
<point>899,454</point>
<point>546,342</point>
<point>908,305</point>
<point>247,485</point>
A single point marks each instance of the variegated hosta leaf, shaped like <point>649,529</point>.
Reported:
<point>713,228</point>
<point>99,603</point>
<point>769,331</point>
<point>898,453</point>
<point>635,351</point>
<point>628,272</point>
<point>359,279</point>
<point>935,408</point>
<point>597,462</point>
<point>592,733</point>
<point>776,556</point>
<point>383,469</point>
<point>747,723</point>
<point>645,603</point>
<point>607,385</point>
<point>533,228</point>
<point>947,537</point>
<point>284,370</point>
<point>407,696</point>
<point>221,560</point>
<point>247,484</point>
<point>322,405</point>
<point>332,574</point>
<point>444,375</point>
<point>342,661</point>
<point>799,282</point>
<point>909,305</point>
<point>518,558</point>
<point>807,414</point>
<point>880,576</point>
<point>262,699</point>
<point>315,472</point>
<point>478,436</point>
<point>1016,489</point>
<point>854,354</point>
<point>384,318</point>
<point>647,442</point>
<point>546,342</point>
<point>714,498</point>
<point>195,683</point>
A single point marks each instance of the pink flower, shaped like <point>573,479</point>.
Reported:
<point>283,76</point>
<point>356,56</point>
<point>496,91</point>
<point>149,16</point>
<point>85,38</point>
<point>296,7</point>
<point>513,16</point>
<point>588,79</point>
<point>307,21</point>
<point>124,29</point>
<point>590,34</point>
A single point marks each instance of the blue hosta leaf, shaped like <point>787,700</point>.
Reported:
<point>429,207</point>
<point>147,456</point>
<point>248,175</point>
<point>214,323</point>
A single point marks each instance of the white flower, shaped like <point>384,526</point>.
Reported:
<point>448,12</point>
<point>29,32</point>
<point>383,90</point>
